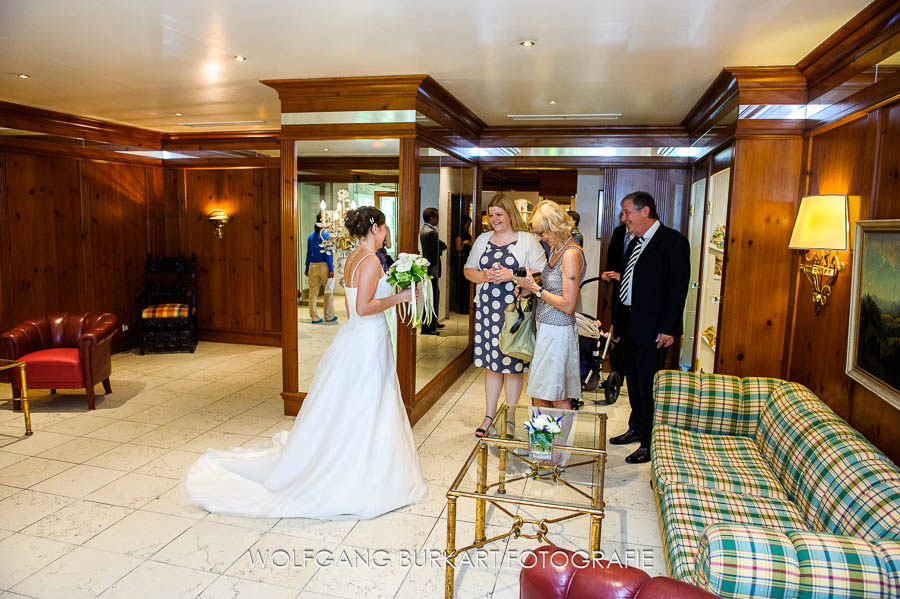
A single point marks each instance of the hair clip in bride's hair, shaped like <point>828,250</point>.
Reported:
<point>371,220</point>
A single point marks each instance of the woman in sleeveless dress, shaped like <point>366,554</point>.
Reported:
<point>350,454</point>
<point>555,377</point>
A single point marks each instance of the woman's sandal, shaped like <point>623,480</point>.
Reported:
<point>480,432</point>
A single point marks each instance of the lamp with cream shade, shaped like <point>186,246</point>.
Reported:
<point>821,228</point>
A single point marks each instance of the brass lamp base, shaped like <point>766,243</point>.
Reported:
<point>821,269</point>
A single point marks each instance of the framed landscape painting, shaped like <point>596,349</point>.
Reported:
<point>873,340</point>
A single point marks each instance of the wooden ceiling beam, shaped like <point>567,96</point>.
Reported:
<point>28,118</point>
<point>865,40</point>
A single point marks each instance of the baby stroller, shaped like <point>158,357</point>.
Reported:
<point>593,347</point>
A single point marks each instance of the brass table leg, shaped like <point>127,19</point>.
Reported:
<point>597,502</point>
<point>25,407</point>
<point>480,503</point>
<point>449,569</point>
<point>595,534</point>
<point>501,489</point>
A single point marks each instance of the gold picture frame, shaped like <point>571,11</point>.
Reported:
<point>873,334</point>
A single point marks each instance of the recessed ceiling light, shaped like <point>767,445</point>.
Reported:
<point>23,76</point>
<point>324,149</point>
<point>551,101</point>
<point>527,43</point>
<point>240,58</point>
<point>179,114</point>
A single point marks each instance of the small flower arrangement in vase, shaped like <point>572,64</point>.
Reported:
<point>542,429</point>
<point>411,270</point>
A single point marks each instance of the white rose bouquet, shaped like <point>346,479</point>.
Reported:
<point>411,270</point>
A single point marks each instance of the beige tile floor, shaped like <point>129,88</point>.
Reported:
<point>90,506</point>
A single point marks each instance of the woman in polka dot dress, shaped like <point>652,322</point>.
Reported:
<point>490,265</point>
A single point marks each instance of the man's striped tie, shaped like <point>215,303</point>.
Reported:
<point>632,260</point>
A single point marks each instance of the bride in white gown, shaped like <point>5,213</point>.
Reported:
<point>350,454</point>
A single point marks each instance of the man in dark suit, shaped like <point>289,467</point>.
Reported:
<point>615,251</point>
<point>648,310</point>
<point>432,248</point>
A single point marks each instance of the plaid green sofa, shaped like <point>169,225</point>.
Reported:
<point>763,491</point>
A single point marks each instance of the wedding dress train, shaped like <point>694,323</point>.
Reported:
<point>350,453</point>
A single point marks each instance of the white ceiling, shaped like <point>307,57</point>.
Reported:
<point>140,61</point>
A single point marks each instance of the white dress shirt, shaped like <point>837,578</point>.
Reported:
<point>647,236</point>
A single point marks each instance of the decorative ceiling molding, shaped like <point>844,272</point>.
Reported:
<point>18,116</point>
<point>865,40</point>
<point>222,140</point>
<point>574,137</point>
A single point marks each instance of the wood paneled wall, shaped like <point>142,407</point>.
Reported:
<point>764,184</point>
<point>75,235</point>
<point>238,276</point>
<point>860,159</point>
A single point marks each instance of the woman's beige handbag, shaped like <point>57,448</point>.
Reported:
<point>517,335</point>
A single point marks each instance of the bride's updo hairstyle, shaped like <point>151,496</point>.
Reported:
<point>360,221</point>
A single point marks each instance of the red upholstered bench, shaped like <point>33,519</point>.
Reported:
<point>63,351</point>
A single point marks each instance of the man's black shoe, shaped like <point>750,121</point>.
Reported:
<point>440,326</point>
<point>629,436</point>
<point>429,332</point>
<point>640,456</point>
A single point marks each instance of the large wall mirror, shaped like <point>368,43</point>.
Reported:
<point>332,177</point>
<point>445,185</point>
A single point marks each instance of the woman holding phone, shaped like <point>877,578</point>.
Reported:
<point>495,254</point>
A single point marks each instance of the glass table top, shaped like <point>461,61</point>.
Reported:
<point>584,429</point>
<point>571,479</point>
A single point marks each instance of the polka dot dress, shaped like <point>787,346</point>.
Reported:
<point>492,302</point>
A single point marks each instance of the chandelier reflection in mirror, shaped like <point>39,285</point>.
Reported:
<point>339,242</point>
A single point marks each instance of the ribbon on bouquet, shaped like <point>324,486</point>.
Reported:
<point>415,313</point>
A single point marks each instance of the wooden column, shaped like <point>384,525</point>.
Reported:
<point>289,394</point>
<point>408,240</point>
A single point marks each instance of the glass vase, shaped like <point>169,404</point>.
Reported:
<point>540,447</point>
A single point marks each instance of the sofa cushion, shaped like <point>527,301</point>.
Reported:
<point>852,489</point>
<point>746,562</point>
<point>687,510</point>
<point>711,461</point>
<point>840,483</point>
<point>890,556</point>
<point>165,311</point>
<point>839,566</point>
<point>786,422</point>
<point>59,367</point>
<point>713,404</point>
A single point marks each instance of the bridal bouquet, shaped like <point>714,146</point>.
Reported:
<point>411,270</point>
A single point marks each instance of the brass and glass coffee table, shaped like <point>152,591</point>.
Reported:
<point>501,472</point>
<point>11,365</point>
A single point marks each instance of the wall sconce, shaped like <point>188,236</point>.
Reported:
<point>218,218</point>
<point>821,229</point>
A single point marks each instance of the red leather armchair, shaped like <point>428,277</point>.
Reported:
<point>556,573</point>
<point>63,351</point>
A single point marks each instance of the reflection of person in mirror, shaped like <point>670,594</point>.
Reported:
<point>319,270</point>
<point>459,285</point>
<point>495,254</point>
<point>351,452</point>
<point>432,248</point>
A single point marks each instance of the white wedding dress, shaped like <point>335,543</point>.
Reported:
<point>350,454</point>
